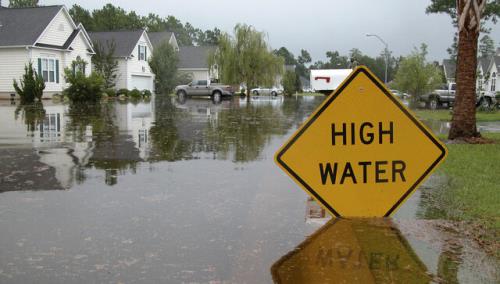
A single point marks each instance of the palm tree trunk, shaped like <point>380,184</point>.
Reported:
<point>463,124</point>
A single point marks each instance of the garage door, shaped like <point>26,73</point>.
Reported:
<point>142,83</point>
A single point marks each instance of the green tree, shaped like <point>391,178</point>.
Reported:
<point>416,76</point>
<point>246,58</point>
<point>290,82</point>
<point>82,88</point>
<point>486,47</point>
<point>80,15</point>
<point>23,3</point>
<point>163,63</point>
<point>105,63</point>
<point>467,15</point>
<point>31,86</point>
<point>286,55</point>
<point>304,57</point>
<point>111,17</point>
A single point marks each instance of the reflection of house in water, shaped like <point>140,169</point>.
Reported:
<point>136,120</point>
<point>44,136</point>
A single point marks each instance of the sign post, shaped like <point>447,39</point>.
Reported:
<point>361,153</point>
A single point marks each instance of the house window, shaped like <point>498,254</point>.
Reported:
<point>48,70</point>
<point>493,81</point>
<point>142,53</point>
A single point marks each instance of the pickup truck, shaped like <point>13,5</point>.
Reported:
<point>446,96</point>
<point>203,88</point>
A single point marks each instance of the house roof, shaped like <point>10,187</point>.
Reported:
<point>194,56</point>
<point>158,37</point>
<point>450,67</point>
<point>484,63</point>
<point>23,26</point>
<point>125,41</point>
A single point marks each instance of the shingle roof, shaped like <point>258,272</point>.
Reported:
<point>194,56</point>
<point>450,67</point>
<point>484,63</point>
<point>23,26</point>
<point>125,40</point>
<point>158,37</point>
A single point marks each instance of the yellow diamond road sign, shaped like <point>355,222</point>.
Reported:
<point>361,153</point>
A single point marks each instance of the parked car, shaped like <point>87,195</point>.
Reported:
<point>204,88</point>
<point>266,91</point>
<point>445,95</point>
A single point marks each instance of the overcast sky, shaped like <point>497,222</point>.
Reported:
<point>315,25</point>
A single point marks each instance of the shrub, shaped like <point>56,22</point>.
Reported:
<point>146,93</point>
<point>135,94</point>
<point>122,92</point>
<point>31,85</point>
<point>110,92</point>
<point>82,88</point>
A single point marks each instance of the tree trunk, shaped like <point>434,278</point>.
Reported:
<point>463,124</point>
<point>248,93</point>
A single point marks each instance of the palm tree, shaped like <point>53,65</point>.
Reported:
<point>469,14</point>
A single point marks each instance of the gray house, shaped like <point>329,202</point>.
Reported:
<point>157,38</point>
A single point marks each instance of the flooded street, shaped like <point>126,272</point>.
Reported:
<point>169,192</point>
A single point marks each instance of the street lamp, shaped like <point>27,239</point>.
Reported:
<point>386,53</point>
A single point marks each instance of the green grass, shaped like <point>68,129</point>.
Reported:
<point>445,115</point>
<point>472,191</point>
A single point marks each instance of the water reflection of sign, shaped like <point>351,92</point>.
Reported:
<point>362,153</point>
<point>352,251</point>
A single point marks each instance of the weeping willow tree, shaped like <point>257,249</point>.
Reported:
<point>245,57</point>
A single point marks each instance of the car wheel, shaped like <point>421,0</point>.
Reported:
<point>485,103</point>
<point>181,96</point>
<point>433,103</point>
<point>274,94</point>
<point>255,93</point>
<point>217,97</point>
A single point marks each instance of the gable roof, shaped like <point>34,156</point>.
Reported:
<point>450,68</point>
<point>157,38</point>
<point>125,41</point>
<point>23,26</point>
<point>194,56</point>
<point>484,63</point>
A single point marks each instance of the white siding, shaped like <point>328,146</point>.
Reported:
<point>139,67</point>
<point>80,47</point>
<point>197,74</point>
<point>12,67</point>
<point>121,75</point>
<point>51,87</point>
<point>58,30</point>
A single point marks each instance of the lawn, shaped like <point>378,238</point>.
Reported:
<point>445,115</point>
<point>472,190</point>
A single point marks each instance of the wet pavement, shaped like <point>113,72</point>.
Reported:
<point>164,192</point>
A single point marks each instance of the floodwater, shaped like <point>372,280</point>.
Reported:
<point>163,192</point>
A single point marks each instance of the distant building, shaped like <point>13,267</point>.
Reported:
<point>132,51</point>
<point>157,38</point>
<point>194,60</point>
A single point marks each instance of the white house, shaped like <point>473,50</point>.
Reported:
<point>194,60</point>
<point>132,51</point>
<point>46,36</point>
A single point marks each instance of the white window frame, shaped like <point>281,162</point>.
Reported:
<point>49,70</point>
<point>142,52</point>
